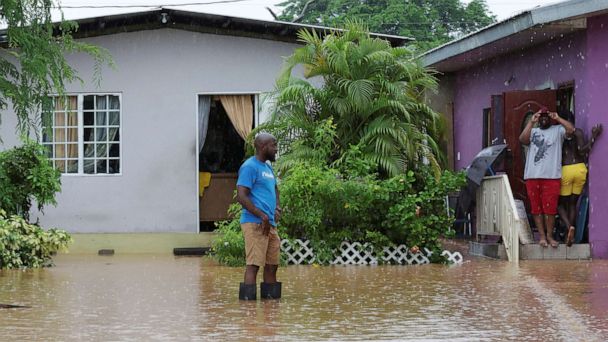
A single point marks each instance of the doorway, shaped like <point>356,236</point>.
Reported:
<point>229,119</point>
<point>519,106</point>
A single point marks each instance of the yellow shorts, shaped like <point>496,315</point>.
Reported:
<point>574,177</point>
<point>261,249</point>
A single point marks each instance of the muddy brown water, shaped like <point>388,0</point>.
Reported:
<point>165,298</point>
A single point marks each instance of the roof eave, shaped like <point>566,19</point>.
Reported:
<point>206,23</point>
<point>518,23</point>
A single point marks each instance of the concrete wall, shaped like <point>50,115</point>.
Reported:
<point>581,57</point>
<point>159,73</point>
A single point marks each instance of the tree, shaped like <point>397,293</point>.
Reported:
<point>371,103</point>
<point>32,58</point>
<point>430,22</point>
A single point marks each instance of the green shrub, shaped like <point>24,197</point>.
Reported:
<point>419,217</point>
<point>26,175</point>
<point>326,207</point>
<point>228,247</point>
<point>28,245</point>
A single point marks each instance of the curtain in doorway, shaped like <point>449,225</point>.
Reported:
<point>240,111</point>
<point>204,105</point>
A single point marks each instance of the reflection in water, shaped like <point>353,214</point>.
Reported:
<point>143,298</point>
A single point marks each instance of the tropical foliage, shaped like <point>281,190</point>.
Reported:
<point>27,176</point>
<point>430,22</point>
<point>370,92</point>
<point>358,154</point>
<point>327,205</point>
<point>32,62</point>
<point>28,245</point>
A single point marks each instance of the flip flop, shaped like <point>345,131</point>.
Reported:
<point>570,238</point>
<point>543,243</point>
<point>554,244</point>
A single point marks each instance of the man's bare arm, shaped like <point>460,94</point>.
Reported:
<point>524,137</point>
<point>242,196</point>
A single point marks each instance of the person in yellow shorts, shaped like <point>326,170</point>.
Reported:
<point>575,153</point>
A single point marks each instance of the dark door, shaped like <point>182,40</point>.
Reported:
<point>519,108</point>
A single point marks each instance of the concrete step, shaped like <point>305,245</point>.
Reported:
<point>533,251</point>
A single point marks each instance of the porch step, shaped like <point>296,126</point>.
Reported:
<point>533,251</point>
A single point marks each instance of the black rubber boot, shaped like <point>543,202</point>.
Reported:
<point>270,291</point>
<point>247,292</point>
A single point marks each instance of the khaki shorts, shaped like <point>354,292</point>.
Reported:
<point>261,249</point>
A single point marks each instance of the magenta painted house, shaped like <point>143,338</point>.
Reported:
<point>561,49</point>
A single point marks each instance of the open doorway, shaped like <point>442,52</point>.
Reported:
<point>224,123</point>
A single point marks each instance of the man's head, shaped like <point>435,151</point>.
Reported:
<point>265,146</point>
<point>544,120</point>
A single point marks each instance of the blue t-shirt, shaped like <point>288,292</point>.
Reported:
<point>259,178</point>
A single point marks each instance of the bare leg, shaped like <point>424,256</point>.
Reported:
<point>563,209</point>
<point>549,225</point>
<point>540,225</point>
<point>573,200</point>
<point>251,272</point>
<point>270,274</point>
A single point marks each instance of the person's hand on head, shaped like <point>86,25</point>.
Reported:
<point>536,117</point>
<point>596,130</point>
<point>553,115</point>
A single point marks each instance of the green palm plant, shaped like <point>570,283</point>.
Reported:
<point>365,93</point>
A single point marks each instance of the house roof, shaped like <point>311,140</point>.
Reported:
<point>205,23</point>
<point>524,30</point>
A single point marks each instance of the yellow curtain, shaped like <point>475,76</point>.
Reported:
<point>240,111</point>
<point>72,150</point>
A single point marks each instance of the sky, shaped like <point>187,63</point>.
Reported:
<point>255,9</point>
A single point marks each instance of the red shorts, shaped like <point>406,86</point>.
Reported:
<point>543,195</point>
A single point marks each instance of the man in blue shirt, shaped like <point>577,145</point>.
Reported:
<point>258,193</point>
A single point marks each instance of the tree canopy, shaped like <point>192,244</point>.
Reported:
<point>430,22</point>
<point>32,58</point>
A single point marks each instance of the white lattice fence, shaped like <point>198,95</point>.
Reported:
<point>299,252</point>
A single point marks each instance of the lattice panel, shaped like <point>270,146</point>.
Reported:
<point>355,253</point>
<point>298,252</point>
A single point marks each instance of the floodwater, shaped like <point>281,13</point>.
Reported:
<point>166,298</point>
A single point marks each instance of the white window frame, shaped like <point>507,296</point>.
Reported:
<point>80,111</point>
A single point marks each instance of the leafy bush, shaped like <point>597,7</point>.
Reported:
<point>228,247</point>
<point>26,175</point>
<point>324,206</point>
<point>28,245</point>
<point>419,217</point>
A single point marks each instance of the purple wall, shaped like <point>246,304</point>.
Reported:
<point>582,57</point>
<point>541,67</point>
<point>595,110</point>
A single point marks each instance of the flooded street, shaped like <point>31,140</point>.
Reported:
<point>166,298</point>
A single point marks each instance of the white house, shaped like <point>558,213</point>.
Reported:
<point>130,148</point>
